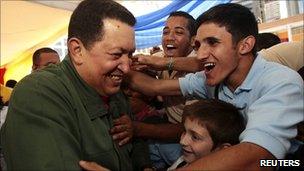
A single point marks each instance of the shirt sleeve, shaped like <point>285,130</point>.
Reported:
<point>193,86</point>
<point>273,117</point>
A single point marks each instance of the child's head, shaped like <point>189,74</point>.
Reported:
<point>209,125</point>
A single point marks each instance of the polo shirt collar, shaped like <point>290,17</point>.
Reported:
<point>254,74</point>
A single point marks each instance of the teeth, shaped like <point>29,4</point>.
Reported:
<point>170,46</point>
<point>114,77</point>
<point>209,66</point>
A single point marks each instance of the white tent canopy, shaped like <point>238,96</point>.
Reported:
<point>27,25</point>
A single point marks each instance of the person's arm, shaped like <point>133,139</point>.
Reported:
<point>151,86</point>
<point>243,156</point>
<point>231,158</point>
<point>186,64</point>
<point>166,131</point>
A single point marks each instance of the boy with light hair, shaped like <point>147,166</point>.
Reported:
<point>209,125</point>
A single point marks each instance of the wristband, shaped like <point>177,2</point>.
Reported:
<point>170,65</point>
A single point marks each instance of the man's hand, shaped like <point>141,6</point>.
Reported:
<point>122,130</point>
<point>145,61</point>
<point>136,66</point>
<point>92,166</point>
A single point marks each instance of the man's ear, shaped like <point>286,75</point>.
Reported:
<point>76,48</point>
<point>34,67</point>
<point>246,45</point>
<point>192,40</point>
<point>222,146</point>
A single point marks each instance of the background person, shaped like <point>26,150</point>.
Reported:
<point>177,40</point>
<point>43,57</point>
<point>10,83</point>
<point>266,40</point>
<point>290,54</point>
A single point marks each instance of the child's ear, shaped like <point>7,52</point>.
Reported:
<point>225,145</point>
<point>222,146</point>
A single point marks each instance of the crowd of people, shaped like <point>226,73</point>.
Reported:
<point>221,96</point>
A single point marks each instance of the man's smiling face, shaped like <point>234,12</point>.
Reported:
<point>176,40</point>
<point>104,65</point>
<point>217,53</point>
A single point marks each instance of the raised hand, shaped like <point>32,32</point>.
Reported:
<point>122,130</point>
<point>147,61</point>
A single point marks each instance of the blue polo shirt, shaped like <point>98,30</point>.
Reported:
<point>270,99</point>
